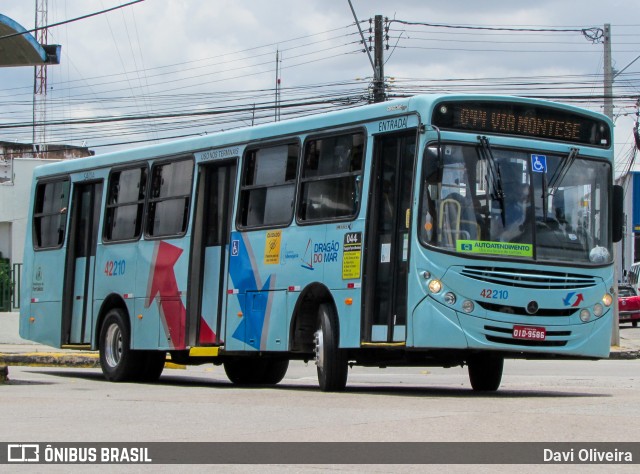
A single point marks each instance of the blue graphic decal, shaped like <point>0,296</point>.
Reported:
<point>245,277</point>
<point>250,328</point>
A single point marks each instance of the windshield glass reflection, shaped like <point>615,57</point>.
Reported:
<point>499,202</point>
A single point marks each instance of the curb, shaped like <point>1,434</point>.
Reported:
<point>50,359</point>
<point>58,359</point>
<point>4,373</point>
<point>625,355</point>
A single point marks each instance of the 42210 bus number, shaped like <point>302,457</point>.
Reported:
<point>115,267</point>
<point>495,294</point>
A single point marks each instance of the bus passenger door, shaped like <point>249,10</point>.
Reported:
<point>77,306</point>
<point>388,238</point>
<point>209,252</point>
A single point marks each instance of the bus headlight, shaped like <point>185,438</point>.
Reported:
<point>449,298</point>
<point>585,315</point>
<point>598,309</point>
<point>435,286</point>
<point>607,299</point>
<point>467,306</point>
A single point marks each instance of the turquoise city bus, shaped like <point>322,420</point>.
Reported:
<point>438,230</point>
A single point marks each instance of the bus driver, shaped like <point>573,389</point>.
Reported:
<point>512,222</point>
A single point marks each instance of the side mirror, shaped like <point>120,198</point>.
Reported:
<point>617,217</point>
<point>432,165</point>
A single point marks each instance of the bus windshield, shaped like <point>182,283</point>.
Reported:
<point>498,202</point>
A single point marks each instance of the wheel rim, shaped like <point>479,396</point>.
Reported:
<point>319,349</point>
<point>113,347</point>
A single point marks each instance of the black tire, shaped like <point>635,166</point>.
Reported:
<point>256,371</point>
<point>151,365</point>
<point>331,361</point>
<point>118,362</point>
<point>485,372</point>
<point>275,371</point>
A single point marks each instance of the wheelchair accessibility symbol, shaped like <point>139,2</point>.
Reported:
<point>539,163</point>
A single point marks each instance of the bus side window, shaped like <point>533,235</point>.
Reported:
<point>124,204</point>
<point>50,214</point>
<point>169,197</point>
<point>331,177</point>
<point>268,186</point>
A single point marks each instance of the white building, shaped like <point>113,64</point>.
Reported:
<point>16,172</point>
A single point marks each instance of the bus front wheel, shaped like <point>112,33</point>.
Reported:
<point>331,361</point>
<point>485,372</point>
<point>118,362</point>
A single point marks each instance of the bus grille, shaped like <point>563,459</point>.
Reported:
<point>507,339</point>
<point>522,311</point>
<point>529,278</point>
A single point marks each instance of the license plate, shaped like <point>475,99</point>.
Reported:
<point>529,332</point>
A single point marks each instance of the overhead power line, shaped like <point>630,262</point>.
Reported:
<point>83,17</point>
<point>593,33</point>
<point>127,118</point>
<point>181,99</point>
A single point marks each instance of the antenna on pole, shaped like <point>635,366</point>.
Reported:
<point>40,85</point>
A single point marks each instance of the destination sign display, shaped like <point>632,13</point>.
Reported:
<point>522,119</point>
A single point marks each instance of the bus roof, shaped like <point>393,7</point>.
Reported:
<point>273,130</point>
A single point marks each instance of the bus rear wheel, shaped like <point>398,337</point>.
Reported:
<point>331,361</point>
<point>485,372</point>
<point>256,371</point>
<point>118,362</point>
<point>151,365</point>
<point>275,371</point>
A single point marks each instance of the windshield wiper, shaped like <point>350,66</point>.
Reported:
<point>494,178</point>
<point>562,170</point>
<point>545,197</point>
<point>548,188</point>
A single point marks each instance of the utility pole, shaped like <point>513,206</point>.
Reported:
<point>608,111</point>
<point>277,98</point>
<point>608,73</point>
<point>40,86</point>
<point>378,63</point>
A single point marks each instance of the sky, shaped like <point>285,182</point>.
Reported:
<point>171,68</point>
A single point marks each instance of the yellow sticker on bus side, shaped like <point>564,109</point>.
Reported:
<point>351,255</point>
<point>508,249</point>
<point>272,247</point>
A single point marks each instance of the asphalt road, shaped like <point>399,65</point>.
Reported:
<point>538,401</point>
<point>544,401</point>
